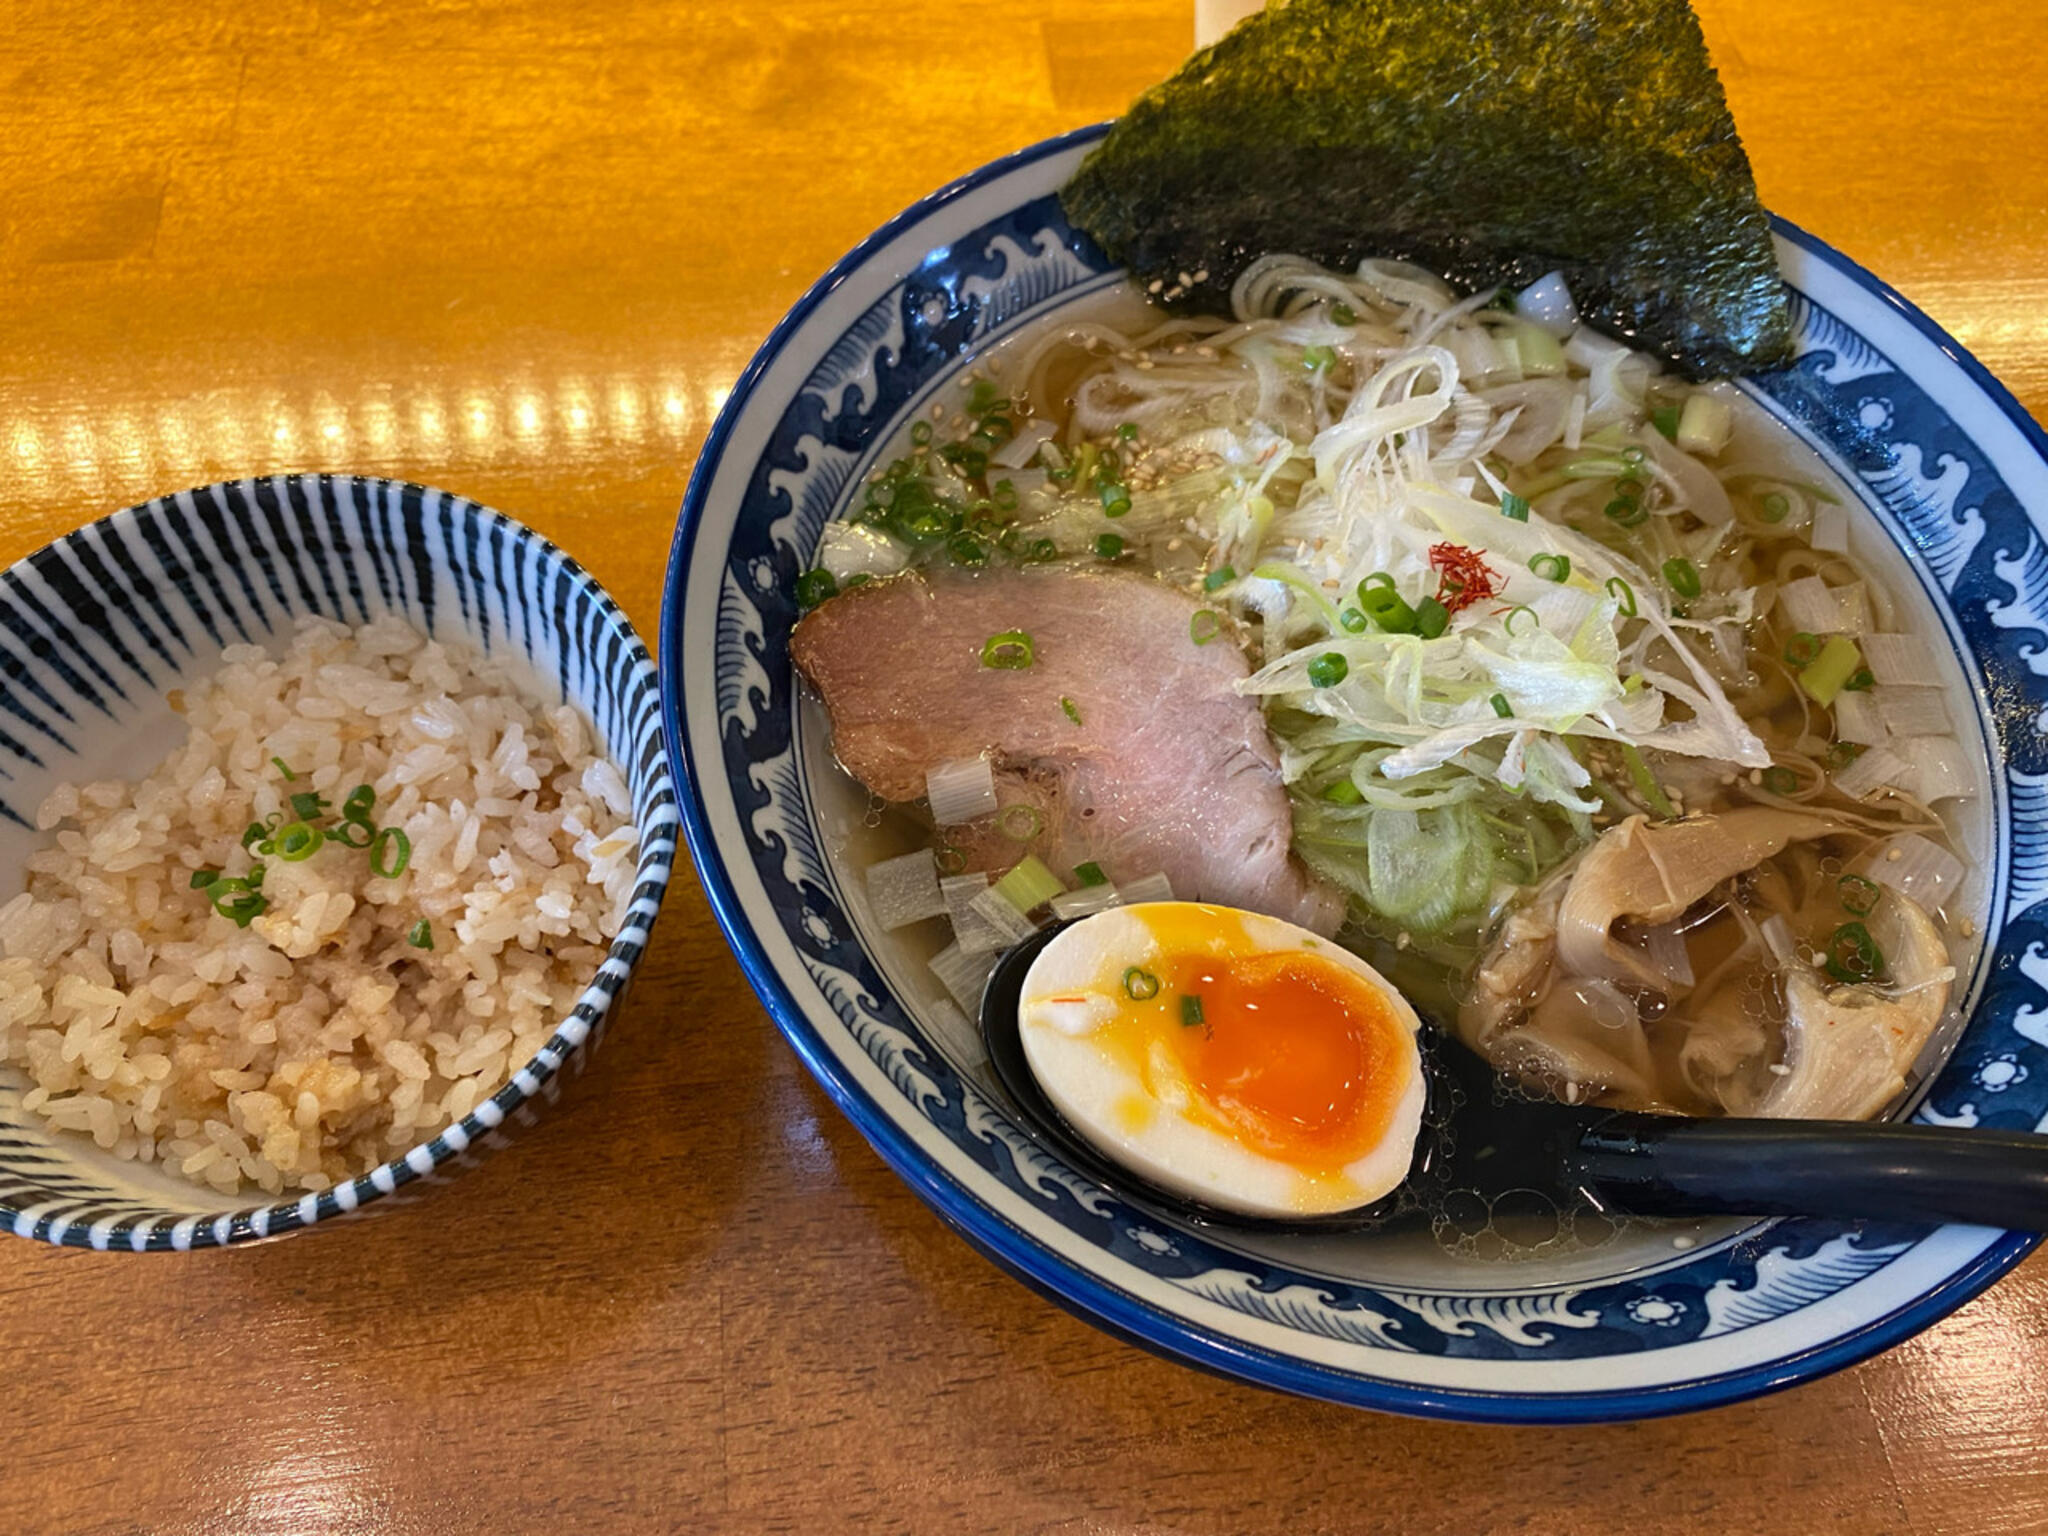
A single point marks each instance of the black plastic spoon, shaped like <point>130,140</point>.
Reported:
<point>1479,1135</point>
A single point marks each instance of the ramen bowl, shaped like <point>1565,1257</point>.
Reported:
<point>100,631</point>
<point>1655,1319</point>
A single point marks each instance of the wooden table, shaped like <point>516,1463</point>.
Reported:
<point>522,250</point>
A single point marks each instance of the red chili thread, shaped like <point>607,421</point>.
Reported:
<point>1463,576</point>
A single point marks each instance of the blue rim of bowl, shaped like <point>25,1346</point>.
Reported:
<point>1112,1310</point>
<point>570,1039</point>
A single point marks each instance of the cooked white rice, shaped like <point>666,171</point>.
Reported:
<point>318,1041</point>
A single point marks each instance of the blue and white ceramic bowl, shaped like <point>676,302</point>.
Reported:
<point>1658,1321</point>
<point>98,627</point>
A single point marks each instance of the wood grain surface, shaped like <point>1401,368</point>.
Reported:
<point>522,250</point>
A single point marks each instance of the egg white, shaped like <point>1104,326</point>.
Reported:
<point>1092,1085</point>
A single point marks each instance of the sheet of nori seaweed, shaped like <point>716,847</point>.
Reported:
<point>1490,140</point>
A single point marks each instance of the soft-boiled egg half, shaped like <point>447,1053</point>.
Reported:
<point>1232,1058</point>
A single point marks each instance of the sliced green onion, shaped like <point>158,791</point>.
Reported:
<point>1802,650</point>
<point>967,550</point>
<point>1328,670</point>
<point>1190,1009</point>
<point>1501,706</point>
<point>1378,579</point>
<point>814,586</point>
<point>1508,623</point>
<point>1852,955</point>
<point>1624,594</point>
<point>1843,753</point>
<point>1009,651</point>
<point>308,807</point>
<point>352,834</point>
<point>1780,780</point>
<point>1039,551</point>
<point>254,877</point>
<point>1029,885</point>
<point>298,842</point>
<point>1646,782</point>
<point>202,878</point>
<point>981,397</point>
<point>420,935</point>
<point>1837,662</point>
<point>1116,501</point>
<point>1109,545</point>
<point>1627,511</point>
<point>1219,578</point>
<point>1343,314</point>
<point>1205,626</point>
<point>1682,576</point>
<point>360,802</point>
<point>1384,606</point>
<point>951,860</point>
<point>921,433</point>
<point>1432,618</point>
<point>1070,709</point>
<point>1516,507</point>
<point>1354,622</point>
<point>241,909</point>
<point>254,833</point>
<point>285,768</point>
<point>1089,874</point>
<point>1665,420</point>
<point>1862,680</point>
<point>1859,896</point>
<point>1128,431</point>
<point>1019,822</point>
<point>1344,792</point>
<point>236,898</point>
<point>1551,567</point>
<point>1314,359</point>
<point>1774,507</point>
<point>1140,985</point>
<point>391,866</point>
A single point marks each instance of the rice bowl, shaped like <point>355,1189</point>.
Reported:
<point>107,635</point>
<point>354,1014</point>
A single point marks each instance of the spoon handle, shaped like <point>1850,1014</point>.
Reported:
<point>1654,1165</point>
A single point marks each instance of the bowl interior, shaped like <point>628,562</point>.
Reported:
<point>97,628</point>
<point>1951,485</point>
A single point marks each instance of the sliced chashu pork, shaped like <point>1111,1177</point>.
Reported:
<point>1167,769</point>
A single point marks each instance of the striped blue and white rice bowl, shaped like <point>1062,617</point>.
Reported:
<point>100,628</point>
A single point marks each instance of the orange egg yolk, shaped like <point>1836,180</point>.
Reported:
<point>1289,1053</point>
